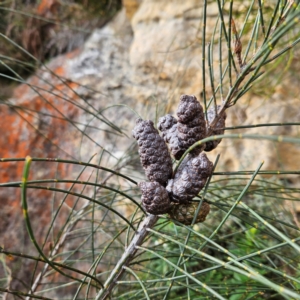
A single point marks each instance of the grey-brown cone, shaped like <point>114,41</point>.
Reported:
<point>191,122</point>
<point>184,213</point>
<point>218,128</point>
<point>155,198</point>
<point>154,154</point>
<point>190,179</point>
<point>189,110</point>
<point>190,128</point>
<point>168,127</point>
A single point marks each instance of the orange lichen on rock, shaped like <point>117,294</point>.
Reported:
<point>37,122</point>
<point>47,6</point>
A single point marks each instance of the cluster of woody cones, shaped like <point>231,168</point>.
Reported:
<point>173,193</point>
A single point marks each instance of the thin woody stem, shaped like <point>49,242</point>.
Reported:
<point>127,256</point>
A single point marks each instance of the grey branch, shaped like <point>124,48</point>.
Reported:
<point>127,256</point>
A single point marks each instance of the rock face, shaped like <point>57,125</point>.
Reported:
<point>80,104</point>
<point>128,62</point>
<point>46,28</point>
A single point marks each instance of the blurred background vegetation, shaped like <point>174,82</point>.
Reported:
<point>46,29</point>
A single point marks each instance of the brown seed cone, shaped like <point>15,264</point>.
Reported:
<point>187,136</point>
<point>190,178</point>
<point>184,213</point>
<point>154,154</point>
<point>191,122</point>
<point>218,128</point>
<point>165,123</point>
<point>168,127</point>
<point>190,128</point>
<point>155,198</point>
<point>189,109</point>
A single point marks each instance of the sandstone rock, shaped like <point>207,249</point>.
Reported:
<point>131,7</point>
<point>247,154</point>
<point>161,37</point>
<point>46,118</point>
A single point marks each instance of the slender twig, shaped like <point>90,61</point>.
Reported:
<point>238,136</point>
<point>237,44</point>
<point>61,265</point>
<point>262,125</point>
<point>127,256</point>
<point>67,229</point>
<point>28,223</point>
<point>30,182</point>
<point>211,73</point>
<point>38,278</point>
<point>203,56</point>
<point>261,16</point>
<point>78,195</point>
<point>70,162</point>
<point>19,294</point>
